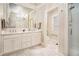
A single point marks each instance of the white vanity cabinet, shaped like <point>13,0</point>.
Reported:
<point>11,42</point>
<point>36,38</point>
<point>1,44</point>
<point>8,45</point>
<point>15,42</point>
<point>26,40</point>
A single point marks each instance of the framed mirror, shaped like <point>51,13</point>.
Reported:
<point>16,16</point>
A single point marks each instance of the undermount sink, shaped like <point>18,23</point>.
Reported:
<point>18,30</point>
<point>14,30</point>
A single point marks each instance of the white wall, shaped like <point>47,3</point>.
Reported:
<point>63,35</point>
<point>1,16</point>
<point>36,16</point>
<point>1,10</point>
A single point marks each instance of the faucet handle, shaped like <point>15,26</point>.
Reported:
<point>23,30</point>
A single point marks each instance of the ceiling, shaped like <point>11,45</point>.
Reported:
<point>35,4</point>
<point>31,5</point>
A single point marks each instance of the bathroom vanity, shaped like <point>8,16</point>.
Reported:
<point>19,28</point>
<point>16,41</point>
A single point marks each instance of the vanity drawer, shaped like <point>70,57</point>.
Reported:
<point>26,42</point>
<point>36,35</point>
<point>11,36</point>
<point>25,35</point>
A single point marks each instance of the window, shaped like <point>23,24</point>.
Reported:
<point>55,20</point>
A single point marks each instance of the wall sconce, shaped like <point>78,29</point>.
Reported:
<point>2,23</point>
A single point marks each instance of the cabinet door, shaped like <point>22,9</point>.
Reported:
<point>17,43</point>
<point>12,44</point>
<point>8,45</point>
<point>26,41</point>
<point>1,44</point>
<point>36,38</point>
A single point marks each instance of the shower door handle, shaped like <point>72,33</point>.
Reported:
<point>72,7</point>
<point>71,32</point>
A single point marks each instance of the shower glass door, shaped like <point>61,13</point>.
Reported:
<point>74,29</point>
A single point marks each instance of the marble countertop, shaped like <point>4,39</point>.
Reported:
<point>20,32</point>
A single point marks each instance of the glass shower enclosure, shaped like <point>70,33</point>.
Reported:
<point>73,10</point>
